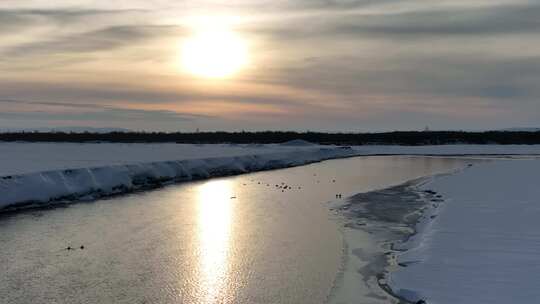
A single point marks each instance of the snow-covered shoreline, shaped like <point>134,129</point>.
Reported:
<point>469,236</point>
<point>38,173</point>
<point>482,244</point>
<point>450,150</point>
<point>39,188</point>
<point>21,158</point>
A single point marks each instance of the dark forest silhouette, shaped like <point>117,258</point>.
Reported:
<point>387,138</point>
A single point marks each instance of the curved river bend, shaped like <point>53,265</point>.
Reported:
<point>238,239</point>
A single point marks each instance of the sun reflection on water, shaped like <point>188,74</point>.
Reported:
<point>214,221</point>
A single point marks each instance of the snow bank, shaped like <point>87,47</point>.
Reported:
<point>450,150</point>
<point>22,158</point>
<point>297,143</point>
<point>71,184</point>
<point>483,246</point>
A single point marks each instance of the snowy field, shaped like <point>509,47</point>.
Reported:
<point>40,173</point>
<point>451,150</point>
<point>22,158</point>
<point>483,245</point>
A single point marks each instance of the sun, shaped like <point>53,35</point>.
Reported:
<point>214,53</point>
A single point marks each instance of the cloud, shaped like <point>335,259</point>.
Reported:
<point>103,39</point>
<point>502,19</point>
<point>80,94</point>
<point>426,23</point>
<point>22,19</point>
<point>59,15</point>
<point>452,75</point>
<point>345,62</point>
<point>89,112</point>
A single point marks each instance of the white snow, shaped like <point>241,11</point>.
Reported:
<point>22,158</point>
<point>297,142</point>
<point>41,173</point>
<point>450,150</point>
<point>484,244</point>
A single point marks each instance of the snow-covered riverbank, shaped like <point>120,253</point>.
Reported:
<point>470,236</point>
<point>68,184</point>
<point>451,150</point>
<point>42,172</point>
<point>21,158</point>
<point>483,243</point>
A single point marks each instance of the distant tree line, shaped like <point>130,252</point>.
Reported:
<point>387,138</point>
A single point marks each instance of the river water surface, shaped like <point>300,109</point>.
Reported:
<point>240,239</point>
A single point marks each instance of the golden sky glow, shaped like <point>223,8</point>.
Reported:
<point>344,65</point>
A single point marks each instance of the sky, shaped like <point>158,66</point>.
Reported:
<point>321,65</point>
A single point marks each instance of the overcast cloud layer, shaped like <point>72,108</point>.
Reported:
<point>315,64</point>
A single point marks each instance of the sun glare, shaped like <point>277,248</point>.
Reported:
<point>214,53</point>
<point>215,218</point>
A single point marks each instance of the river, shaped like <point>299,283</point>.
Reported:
<point>239,239</point>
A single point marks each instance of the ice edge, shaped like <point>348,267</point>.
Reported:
<point>395,234</point>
